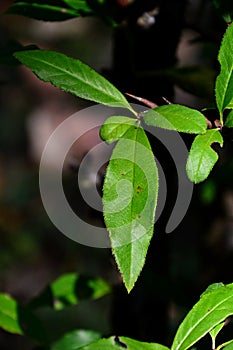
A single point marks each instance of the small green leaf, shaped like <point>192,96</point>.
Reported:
<point>229,120</point>
<point>117,343</point>
<point>129,200</point>
<point>80,5</point>
<point>176,117</point>
<point>114,128</point>
<point>76,340</point>
<point>69,289</point>
<point>17,319</point>
<point>202,157</point>
<point>9,315</point>
<point>73,76</point>
<point>224,81</point>
<point>212,308</point>
<point>214,332</point>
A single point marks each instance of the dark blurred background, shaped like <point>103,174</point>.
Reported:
<point>159,49</point>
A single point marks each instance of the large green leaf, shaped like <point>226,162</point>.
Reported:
<point>176,117</point>
<point>69,289</point>
<point>212,308</point>
<point>73,76</point>
<point>224,81</point>
<point>202,157</point>
<point>129,200</point>
<point>75,340</point>
<point>17,319</point>
<point>117,343</point>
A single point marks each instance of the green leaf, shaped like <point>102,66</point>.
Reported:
<point>202,157</point>
<point>80,5</point>
<point>73,76</point>
<point>129,199</point>
<point>42,11</point>
<point>227,346</point>
<point>69,289</point>
<point>229,120</point>
<point>224,81</point>
<point>114,128</point>
<point>117,343</point>
<point>9,315</point>
<point>17,319</point>
<point>212,308</point>
<point>214,332</point>
<point>176,117</point>
<point>75,340</point>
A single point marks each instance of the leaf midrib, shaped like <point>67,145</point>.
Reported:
<point>199,321</point>
<point>64,71</point>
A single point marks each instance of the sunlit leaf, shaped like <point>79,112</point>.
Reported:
<point>176,117</point>
<point>212,308</point>
<point>72,75</point>
<point>202,157</point>
<point>129,199</point>
<point>224,81</point>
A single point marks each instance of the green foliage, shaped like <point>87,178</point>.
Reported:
<point>224,81</point>
<point>176,117</point>
<point>202,157</point>
<point>207,316</point>
<point>17,319</point>
<point>50,10</point>
<point>229,120</point>
<point>69,289</point>
<point>116,343</point>
<point>212,308</point>
<point>130,196</point>
<point>73,76</point>
<point>131,182</point>
<point>130,188</point>
<point>75,340</point>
